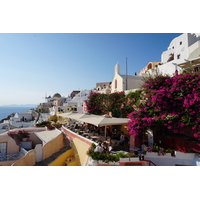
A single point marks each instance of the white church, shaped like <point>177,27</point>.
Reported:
<point>125,82</point>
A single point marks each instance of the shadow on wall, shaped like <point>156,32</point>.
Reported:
<point>69,158</point>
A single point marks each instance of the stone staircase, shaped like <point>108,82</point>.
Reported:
<point>47,161</point>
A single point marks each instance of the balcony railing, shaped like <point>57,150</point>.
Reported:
<point>13,156</point>
<point>9,157</point>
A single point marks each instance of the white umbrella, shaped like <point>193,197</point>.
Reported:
<point>102,120</point>
<point>97,120</point>
<point>71,115</point>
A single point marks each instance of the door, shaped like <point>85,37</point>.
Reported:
<point>3,147</point>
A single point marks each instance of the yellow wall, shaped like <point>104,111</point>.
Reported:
<point>78,150</point>
<point>53,146</point>
<point>123,128</point>
<point>76,163</point>
<point>27,160</point>
<point>60,161</point>
<point>81,149</point>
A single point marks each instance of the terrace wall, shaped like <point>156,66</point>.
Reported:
<point>80,145</point>
<point>7,163</point>
<point>53,146</point>
<point>27,160</point>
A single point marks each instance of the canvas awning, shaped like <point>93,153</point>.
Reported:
<point>190,63</point>
<point>103,121</point>
<point>97,120</point>
<point>71,115</point>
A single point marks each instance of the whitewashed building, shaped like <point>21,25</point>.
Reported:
<point>124,82</point>
<point>181,49</point>
<point>150,69</point>
<point>103,88</point>
<point>77,102</point>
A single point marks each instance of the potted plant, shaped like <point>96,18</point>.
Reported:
<point>43,124</point>
<point>161,151</point>
<point>148,151</point>
<point>101,158</point>
<point>152,151</point>
<point>50,127</point>
<point>132,157</point>
<point>169,152</point>
<point>155,148</point>
<point>23,135</point>
<point>123,157</point>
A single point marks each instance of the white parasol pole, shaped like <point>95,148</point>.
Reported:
<point>105,132</point>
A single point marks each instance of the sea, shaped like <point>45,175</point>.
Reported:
<point>5,111</point>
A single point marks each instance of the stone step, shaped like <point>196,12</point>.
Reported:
<point>47,161</point>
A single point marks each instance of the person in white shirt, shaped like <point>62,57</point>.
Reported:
<point>99,148</point>
<point>122,138</point>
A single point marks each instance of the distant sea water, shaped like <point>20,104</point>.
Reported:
<point>5,111</point>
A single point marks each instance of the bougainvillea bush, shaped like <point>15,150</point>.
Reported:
<point>114,104</point>
<point>96,103</point>
<point>100,104</point>
<point>172,102</point>
<point>119,104</point>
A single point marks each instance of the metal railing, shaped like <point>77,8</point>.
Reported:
<point>150,162</point>
<point>13,156</point>
<point>23,151</point>
<point>9,157</point>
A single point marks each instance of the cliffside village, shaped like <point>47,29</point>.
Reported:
<point>26,139</point>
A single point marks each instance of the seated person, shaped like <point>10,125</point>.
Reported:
<point>108,141</point>
<point>105,147</point>
<point>99,148</point>
<point>109,145</point>
<point>92,129</point>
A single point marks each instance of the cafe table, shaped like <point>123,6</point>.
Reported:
<point>94,137</point>
<point>85,134</point>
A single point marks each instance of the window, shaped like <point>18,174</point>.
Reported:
<point>180,42</point>
<point>115,83</point>
<point>3,147</point>
<point>178,56</point>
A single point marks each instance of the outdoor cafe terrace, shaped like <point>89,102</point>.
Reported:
<point>96,135</point>
<point>98,128</point>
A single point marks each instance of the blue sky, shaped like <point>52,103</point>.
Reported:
<point>33,65</point>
